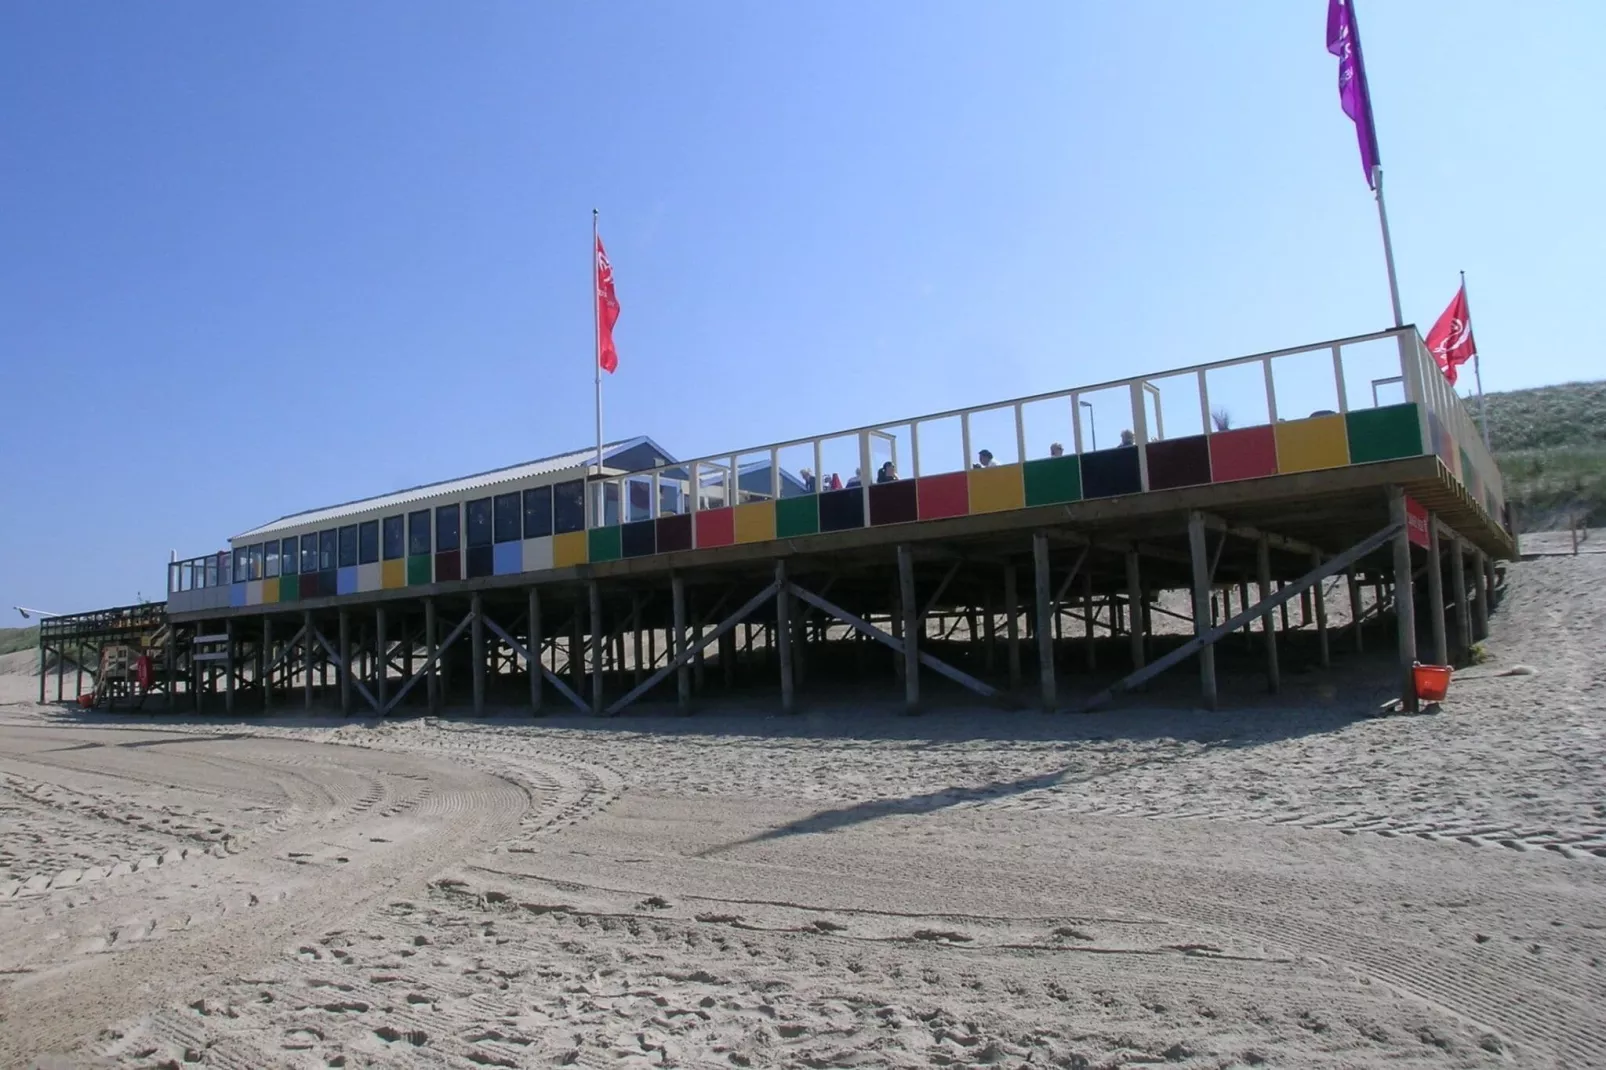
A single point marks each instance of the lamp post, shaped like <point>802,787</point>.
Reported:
<point>1093,423</point>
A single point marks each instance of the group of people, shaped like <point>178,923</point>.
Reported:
<point>888,472</point>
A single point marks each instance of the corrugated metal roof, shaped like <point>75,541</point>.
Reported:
<point>575,459</point>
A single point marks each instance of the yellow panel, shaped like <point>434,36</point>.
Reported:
<point>1306,445</point>
<point>570,548</point>
<point>270,591</point>
<point>755,522</point>
<point>393,574</point>
<point>998,488</point>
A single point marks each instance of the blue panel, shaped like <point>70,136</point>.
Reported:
<point>346,580</point>
<point>237,594</point>
<point>509,558</point>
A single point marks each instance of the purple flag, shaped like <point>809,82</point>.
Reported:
<point>1344,41</point>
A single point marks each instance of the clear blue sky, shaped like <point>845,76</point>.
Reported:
<point>259,258</point>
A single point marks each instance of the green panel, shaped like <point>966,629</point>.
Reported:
<point>1383,434</point>
<point>289,588</point>
<point>1053,479</point>
<point>420,570</point>
<point>797,516</point>
<point>603,544</point>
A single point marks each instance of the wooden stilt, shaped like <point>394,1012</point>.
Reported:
<point>1458,584</point>
<point>432,653</point>
<point>1090,643</point>
<point>1324,651</point>
<point>1012,625</point>
<point>476,642</point>
<point>1134,595</point>
<point>783,637</point>
<point>1441,641</point>
<point>228,666</point>
<point>1404,601</point>
<point>1480,595</point>
<point>267,662</point>
<point>1355,608</point>
<point>533,661</point>
<point>677,590</point>
<point>635,631</point>
<point>344,622</point>
<point>989,627</point>
<point>594,592</point>
<point>306,660</point>
<point>910,629</point>
<point>1202,621</point>
<point>382,659</point>
<point>1268,625</point>
<point>1045,612</point>
<point>1243,603</point>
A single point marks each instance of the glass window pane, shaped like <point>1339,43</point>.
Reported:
<point>242,567</point>
<point>418,541</point>
<point>211,571</point>
<point>447,531</point>
<point>270,560</point>
<point>569,506</point>
<point>508,521</point>
<point>395,539</point>
<point>348,546</point>
<point>479,522</point>
<point>326,550</point>
<point>289,559</point>
<point>256,561</point>
<point>309,552</point>
<point>367,542</point>
<point>537,512</point>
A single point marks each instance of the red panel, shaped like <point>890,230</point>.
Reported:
<point>1416,523</point>
<point>944,495</point>
<point>1246,453</point>
<point>715,527</point>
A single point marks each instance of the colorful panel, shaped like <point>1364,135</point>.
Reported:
<point>369,577</point>
<point>270,591</point>
<point>639,539</point>
<point>346,580</point>
<point>328,582</point>
<point>237,594</point>
<point>1050,480</point>
<point>310,585</point>
<point>1107,473</point>
<point>1245,453</point>
<point>393,574</point>
<point>508,558</point>
<point>1384,434</point>
<point>420,570</point>
<point>253,593</point>
<point>289,588</point>
<point>481,561</point>
<point>604,544</point>
<point>797,516</point>
<point>842,509</point>
<point>1309,445</point>
<point>1179,462</point>
<point>715,527</point>
<point>569,548</point>
<point>537,554</point>
<point>893,503</point>
<point>755,522</point>
<point>1468,476</point>
<point>448,566</point>
<point>995,489</point>
<point>674,533</point>
<point>943,496</point>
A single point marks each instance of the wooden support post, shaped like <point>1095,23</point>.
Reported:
<point>1243,603</point>
<point>1134,595</point>
<point>61,668</point>
<point>169,657</point>
<point>533,661</point>
<point>382,660</point>
<point>1441,641</point>
<point>577,667</point>
<point>910,629</point>
<point>1045,615</point>
<point>267,661</point>
<point>306,660</point>
<point>407,649</point>
<point>42,650</point>
<point>677,646</point>
<point>783,637</point>
<point>1355,608</point>
<point>1202,621</point>
<point>1012,624</point>
<point>228,665</point>
<point>1324,652</point>
<point>1404,602</point>
<point>1458,584</point>
<point>635,629</point>
<point>989,627</point>
<point>346,668</point>
<point>432,653</point>
<point>1090,644</point>
<point>476,642</point>
<point>1480,595</point>
<point>594,593</point>
<point>1283,609</point>
<point>1268,625</point>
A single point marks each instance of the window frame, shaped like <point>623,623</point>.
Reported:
<point>479,522</point>
<point>270,559</point>
<point>400,522</point>
<point>290,563</point>
<point>537,501</point>
<point>309,553</point>
<point>346,546</point>
<point>241,569</point>
<point>564,521</point>
<point>368,542</point>
<point>420,522</point>
<point>507,517</point>
<point>455,511</point>
<point>327,546</point>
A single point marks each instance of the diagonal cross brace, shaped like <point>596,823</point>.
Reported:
<point>284,653</point>
<point>343,667</point>
<point>1264,606</point>
<point>429,663</point>
<point>547,674</point>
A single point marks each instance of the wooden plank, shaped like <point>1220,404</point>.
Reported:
<point>690,651</point>
<point>435,651</point>
<point>538,668</point>
<point>343,666</point>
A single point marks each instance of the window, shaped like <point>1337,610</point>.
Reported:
<point>348,546</point>
<point>326,550</point>
<point>507,517</point>
<point>211,569</point>
<point>447,531</point>
<point>569,506</point>
<point>418,532</point>
<point>270,560</point>
<point>367,542</point>
<point>309,552</point>
<point>395,540</point>
<point>256,561</point>
<point>537,512</point>
<point>242,567</point>
<point>479,522</point>
<point>288,559</point>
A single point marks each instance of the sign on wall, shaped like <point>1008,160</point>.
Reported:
<point>1416,522</point>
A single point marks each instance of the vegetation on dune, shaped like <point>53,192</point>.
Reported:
<point>1550,442</point>
<point>15,639</point>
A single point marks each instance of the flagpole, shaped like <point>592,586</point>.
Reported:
<point>1477,368</point>
<point>1388,244</point>
<point>596,356</point>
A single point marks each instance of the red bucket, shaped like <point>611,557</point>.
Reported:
<point>86,700</point>
<point>1432,682</point>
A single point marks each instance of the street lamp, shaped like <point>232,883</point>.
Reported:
<point>1092,422</point>
<point>26,613</point>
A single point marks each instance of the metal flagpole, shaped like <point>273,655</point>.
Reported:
<point>1477,367</point>
<point>1388,245</point>
<point>596,353</point>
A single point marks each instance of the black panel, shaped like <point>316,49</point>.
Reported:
<point>894,503</point>
<point>481,561</point>
<point>674,533</point>
<point>639,539</point>
<point>1106,473</point>
<point>1179,462</point>
<point>842,509</point>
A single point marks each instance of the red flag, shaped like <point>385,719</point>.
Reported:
<point>607,313</point>
<point>1450,340</point>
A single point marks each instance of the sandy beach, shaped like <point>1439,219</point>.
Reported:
<point>1291,883</point>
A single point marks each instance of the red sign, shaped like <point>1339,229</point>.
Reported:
<point>1416,522</point>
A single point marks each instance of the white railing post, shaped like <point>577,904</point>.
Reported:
<point>864,472</point>
<point>1204,403</point>
<point>1338,378</point>
<point>1271,393</point>
<point>775,474</point>
<point>1411,369</point>
<point>1076,423</point>
<point>964,438</point>
<point>914,448</point>
<point>695,491</point>
<point>819,466</point>
<point>1140,432</point>
<point>1020,432</point>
